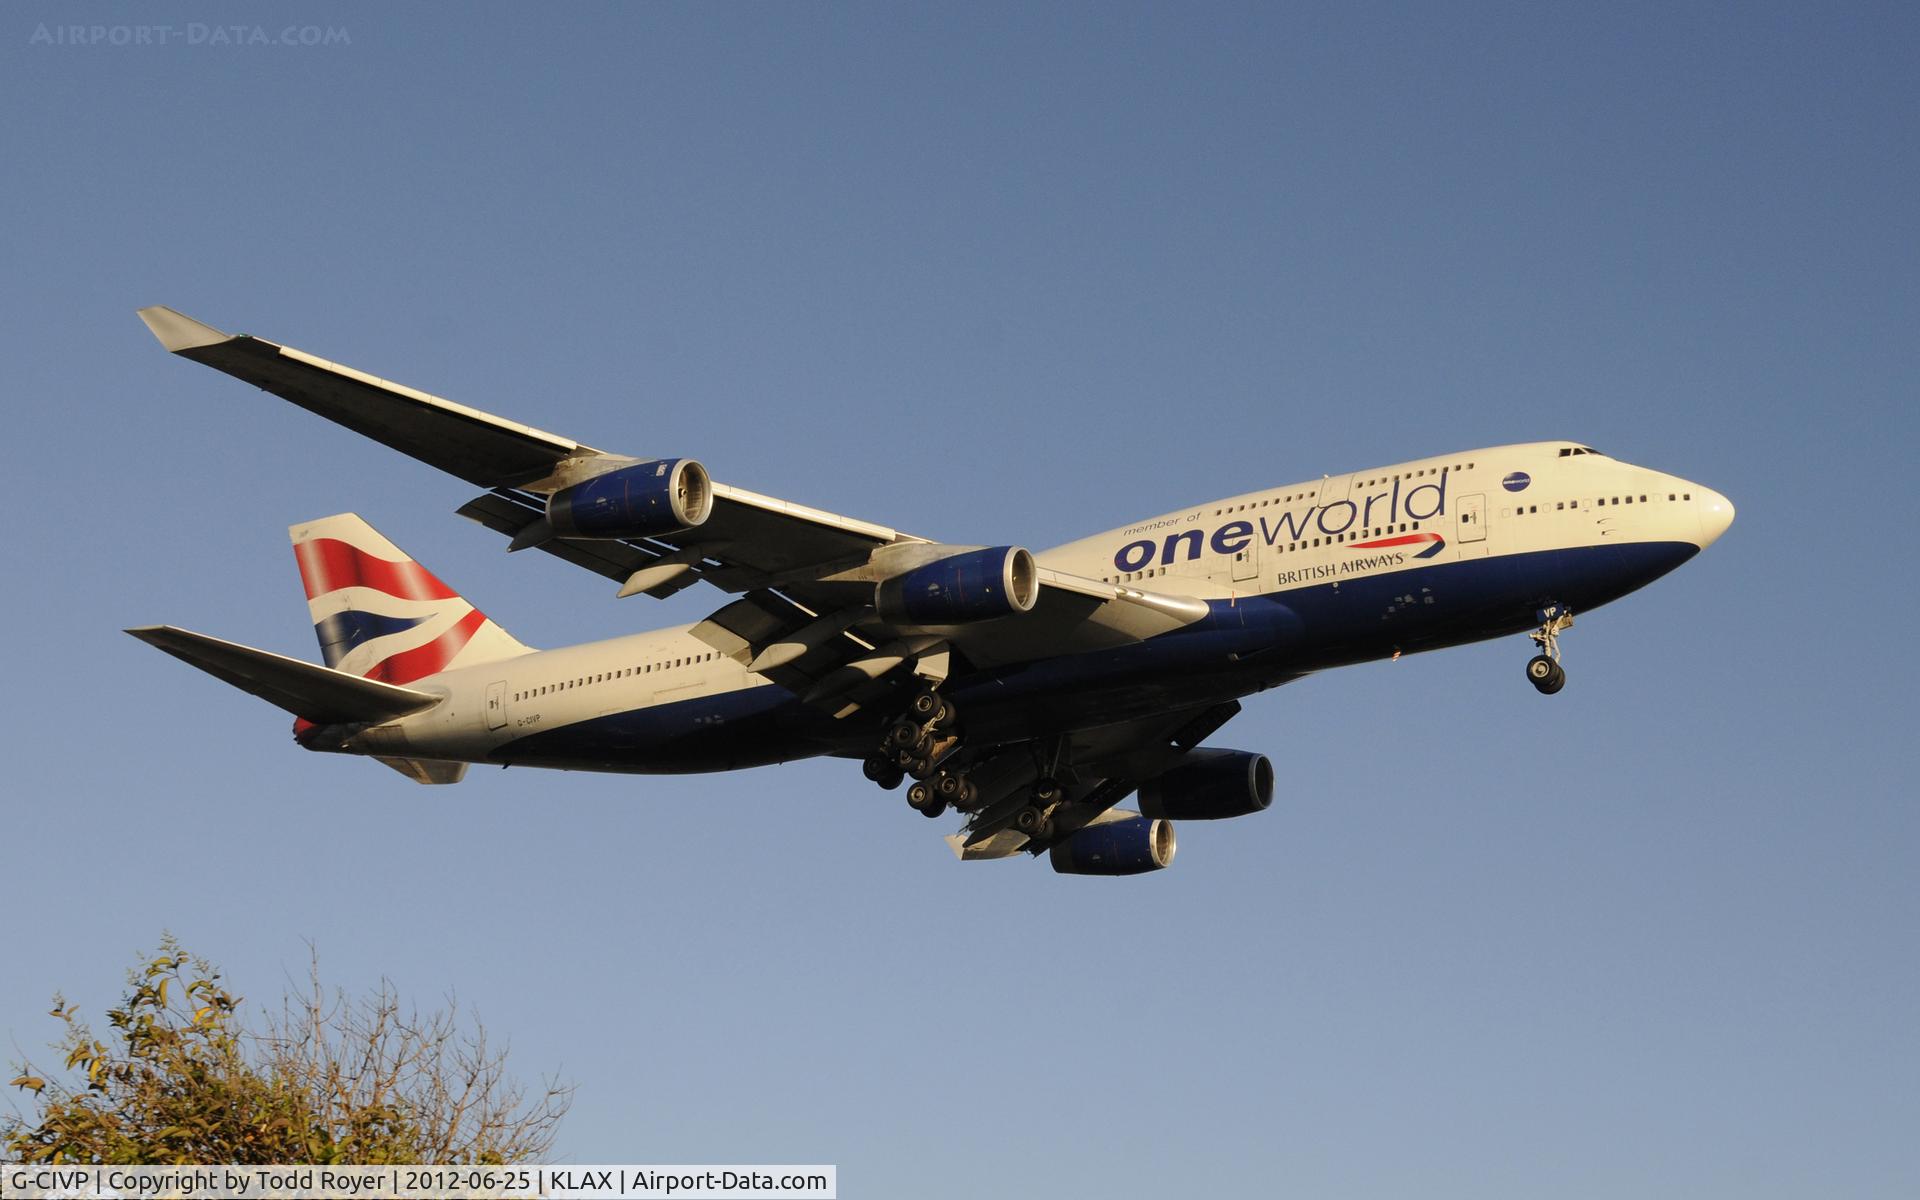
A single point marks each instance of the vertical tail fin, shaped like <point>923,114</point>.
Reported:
<point>383,616</point>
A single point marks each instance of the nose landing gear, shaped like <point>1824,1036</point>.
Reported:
<point>1544,671</point>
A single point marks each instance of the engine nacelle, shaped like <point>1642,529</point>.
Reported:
<point>974,585</point>
<point>639,501</point>
<point>1128,844</point>
<point>1208,785</point>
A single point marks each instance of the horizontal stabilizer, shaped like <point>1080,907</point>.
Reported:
<point>320,694</point>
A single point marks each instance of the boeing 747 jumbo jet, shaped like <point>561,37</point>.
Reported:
<point>1030,692</point>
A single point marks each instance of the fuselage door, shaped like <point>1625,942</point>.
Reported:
<point>497,705</point>
<point>1246,561</point>
<point>1473,519</point>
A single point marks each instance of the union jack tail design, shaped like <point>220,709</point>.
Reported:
<point>381,615</point>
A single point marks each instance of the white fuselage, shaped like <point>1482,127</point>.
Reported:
<point>1338,569</point>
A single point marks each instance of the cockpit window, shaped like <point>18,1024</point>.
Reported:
<point>1568,451</point>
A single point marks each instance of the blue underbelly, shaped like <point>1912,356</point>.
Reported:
<point>1241,646</point>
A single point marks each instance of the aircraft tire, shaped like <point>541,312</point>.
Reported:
<point>903,735</point>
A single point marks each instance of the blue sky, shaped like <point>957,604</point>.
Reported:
<point>1017,274</point>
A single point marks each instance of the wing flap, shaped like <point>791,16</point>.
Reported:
<point>1095,769</point>
<point>319,694</point>
<point>793,646</point>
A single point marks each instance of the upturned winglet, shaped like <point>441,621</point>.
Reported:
<point>177,331</point>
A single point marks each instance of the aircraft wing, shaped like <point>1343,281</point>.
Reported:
<point>476,446</point>
<point>805,565</point>
<point>749,537</point>
<point>1096,769</point>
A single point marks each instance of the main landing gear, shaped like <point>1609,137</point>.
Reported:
<point>1036,819</point>
<point>1544,671</point>
<point>915,745</point>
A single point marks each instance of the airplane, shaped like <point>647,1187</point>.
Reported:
<point>1030,692</point>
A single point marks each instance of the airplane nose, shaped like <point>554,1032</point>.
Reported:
<point>1716,513</point>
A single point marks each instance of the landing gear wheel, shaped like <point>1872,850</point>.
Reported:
<point>921,769</point>
<point>1029,820</point>
<point>880,768</point>
<point>947,717</point>
<point>924,706</point>
<point>937,809</point>
<point>949,787</point>
<point>919,796</point>
<point>904,735</point>
<point>1543,669</point>
<point>1045,792</point>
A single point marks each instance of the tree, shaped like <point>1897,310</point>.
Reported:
<point>328,1079</point>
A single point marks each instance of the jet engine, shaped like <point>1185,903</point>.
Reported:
<point>1208,785</point>
<point>1129,844</point>
<point>974,585</point>
<point>643,500</point>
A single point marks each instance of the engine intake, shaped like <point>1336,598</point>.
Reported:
<point>1128,844</point>
<point>975,585</point>
<point>1209,785</point>
<point>643,500</point>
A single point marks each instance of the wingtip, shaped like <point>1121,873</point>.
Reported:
<point>177,331</point>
